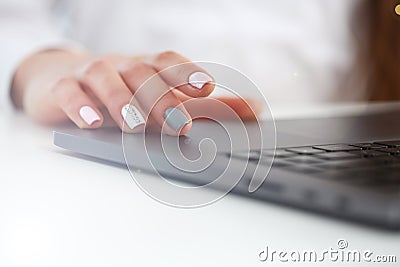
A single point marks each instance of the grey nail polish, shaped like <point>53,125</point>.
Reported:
<point>175,119</point>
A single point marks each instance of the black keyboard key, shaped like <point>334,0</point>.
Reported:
<point>393,143</point>
<point>305,150</point>
<point>370,153</point>
<point>369,146</point>
<point>337,147</point>
<point>392,150</point>
<point>337,155</point>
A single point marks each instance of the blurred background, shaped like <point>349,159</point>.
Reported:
<point>312,51</point>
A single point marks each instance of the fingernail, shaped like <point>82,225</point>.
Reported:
<point>198,79</point>
<point>88,115</point>
<point>132,116</point>
<point>175,119</point>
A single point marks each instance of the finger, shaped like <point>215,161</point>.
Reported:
<point>246,109</point>
<point>109,121</point>
<point>156,98</point>
<point>76,104</point>
<point>104,81</point>
<point>179,72</point>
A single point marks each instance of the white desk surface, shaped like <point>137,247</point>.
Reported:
<point>60,210</point>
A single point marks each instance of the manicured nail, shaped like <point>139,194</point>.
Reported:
<point>175,119</point>
<point>88,115</point>
<point>198,79</point>
<point>132,116</point>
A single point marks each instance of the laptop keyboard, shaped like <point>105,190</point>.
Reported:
<point>368,164</point>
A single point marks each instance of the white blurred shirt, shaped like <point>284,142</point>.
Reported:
<point>295,51</point>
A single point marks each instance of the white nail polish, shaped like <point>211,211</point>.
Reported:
<point>88,115</point>
<point>132,116</point>
<point>198,79</point>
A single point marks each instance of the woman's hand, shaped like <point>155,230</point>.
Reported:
<point>53,86</point>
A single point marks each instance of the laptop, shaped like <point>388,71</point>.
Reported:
<point>346,167</point>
